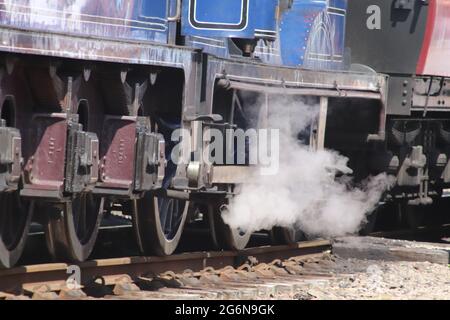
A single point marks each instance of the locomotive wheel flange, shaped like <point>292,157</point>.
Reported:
<point>224,237</point>
<point>15,219</point>
<point>158,223</point>
<point>72,227</point>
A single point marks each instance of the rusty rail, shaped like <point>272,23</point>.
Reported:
<point>54,276</point>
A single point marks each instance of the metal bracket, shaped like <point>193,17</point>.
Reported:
<point>82,159</point>
<point>10,157</point>
<point>150,159</point>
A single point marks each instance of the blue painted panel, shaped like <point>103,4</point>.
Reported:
<point>311,34</point>
<point>265,22</point>
<point>295,29</point>
<point>230,12</point>
<point>117,19</point>
<point>245,19</point>
<point>219,18</point>
<point>151,9</point>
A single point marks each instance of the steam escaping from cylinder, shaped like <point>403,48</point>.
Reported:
<point>312,190</point>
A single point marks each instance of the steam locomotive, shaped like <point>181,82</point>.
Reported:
<point>91,93</point>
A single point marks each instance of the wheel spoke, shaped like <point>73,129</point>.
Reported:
<point>11,219</point>
<point>163,209</point>
<point>82,231</point>
<point>76,213</point>
<point>78,229</point>
<point>7,229</point>
<point>178,214</point>
<point>169,217</point>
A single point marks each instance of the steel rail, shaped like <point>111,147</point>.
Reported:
<point>54,276</point>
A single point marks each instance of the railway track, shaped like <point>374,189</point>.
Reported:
<point>254,273</point>
<point>424,233</point>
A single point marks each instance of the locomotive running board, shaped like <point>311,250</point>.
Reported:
<point>319,92</point>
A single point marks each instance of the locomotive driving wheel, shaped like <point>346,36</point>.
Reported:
<point>72,227</point>
<point>158,222</point>
<point>225,237</point>
<point>15,218</point>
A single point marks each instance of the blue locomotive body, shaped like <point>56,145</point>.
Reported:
<point>230,19</point>
<point>129,20</point>
<point>299,33</point>
<point>312,34</point>
<point>305,33</point>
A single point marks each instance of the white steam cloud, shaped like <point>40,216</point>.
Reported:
<point>305,193</point>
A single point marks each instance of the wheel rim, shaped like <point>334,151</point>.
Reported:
<point>224,237</point>
<point>84,223</point>
<point>15,218</point>
<point>159,223</point>
<point>171,214</point>
<point>73,227</point>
